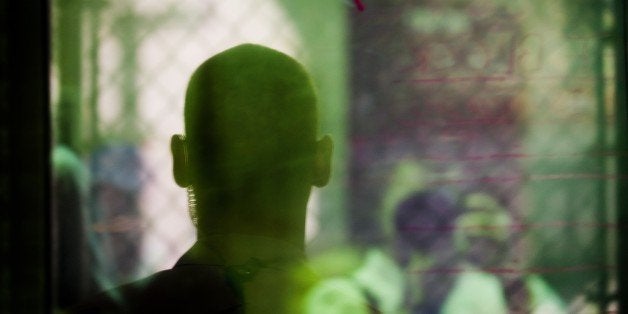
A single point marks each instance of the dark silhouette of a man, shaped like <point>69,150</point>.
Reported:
<point>249,158</point>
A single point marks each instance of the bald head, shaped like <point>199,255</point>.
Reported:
<point>249,109</point>
<point>251,125</point>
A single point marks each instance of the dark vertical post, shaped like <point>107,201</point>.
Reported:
<point>5,196</point>
<point>621,117</point>
<point>24,158</point>
<point>601,146</point>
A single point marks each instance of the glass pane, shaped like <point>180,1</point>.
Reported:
<point>474,164</point>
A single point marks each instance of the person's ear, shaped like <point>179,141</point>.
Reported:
<point>178,147</point>
<point>322,161</point>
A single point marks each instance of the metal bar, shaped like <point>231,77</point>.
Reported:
<point>602,169</point>
<point>622,163</point>
<point>25,273</point>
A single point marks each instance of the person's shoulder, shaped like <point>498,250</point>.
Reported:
<point>186,289</point>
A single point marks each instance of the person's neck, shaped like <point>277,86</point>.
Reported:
<point>284,223</point>
<point>237,248</point>
<point>241,235</point>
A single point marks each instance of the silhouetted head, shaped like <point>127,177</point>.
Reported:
<point>425,221</point>
<point>251,150</point>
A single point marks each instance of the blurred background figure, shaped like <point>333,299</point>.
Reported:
<point>424,228</point>
<point>367,279</point>
<point>485,284</point>
<point>374,283</point>
<point>70,253</point>
<point>391,278</point>
<point>115,215</point>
